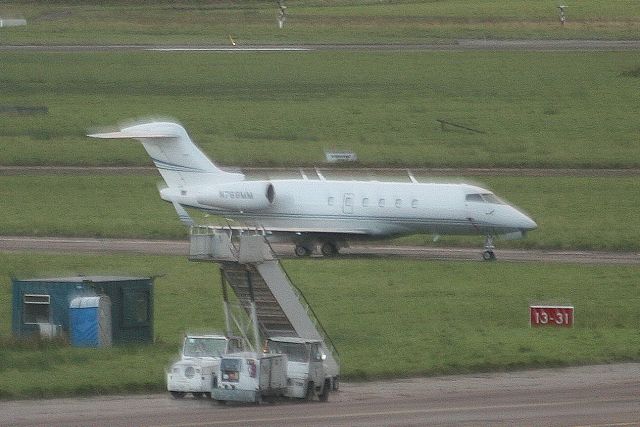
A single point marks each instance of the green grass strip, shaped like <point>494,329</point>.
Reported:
<point>388,318</point>
<point>536,109</point>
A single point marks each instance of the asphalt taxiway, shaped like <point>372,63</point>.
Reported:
<point>603,395</point>
<point>181,248</point>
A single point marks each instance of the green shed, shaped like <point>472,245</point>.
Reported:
<point>42,306</point>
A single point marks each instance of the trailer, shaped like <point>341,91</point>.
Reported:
<point>250,377</point>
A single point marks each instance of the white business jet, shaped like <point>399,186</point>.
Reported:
<point>319,213</point>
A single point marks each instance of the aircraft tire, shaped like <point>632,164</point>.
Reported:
<point>301,251</point>
<point>329,249</point>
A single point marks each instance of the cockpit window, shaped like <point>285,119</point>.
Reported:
<point>474,198</point>
<point>484,198</point>
<point>492,198</point>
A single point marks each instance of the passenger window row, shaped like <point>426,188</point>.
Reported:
<point>365,202</point>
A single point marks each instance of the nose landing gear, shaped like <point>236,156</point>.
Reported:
<point>488,254</point>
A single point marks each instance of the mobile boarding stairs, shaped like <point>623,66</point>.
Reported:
<point>266,304</point>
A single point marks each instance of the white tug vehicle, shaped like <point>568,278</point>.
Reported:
<point>290,368</point>
<point>196,371</point>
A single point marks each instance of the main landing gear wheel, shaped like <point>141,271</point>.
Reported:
<point>302,251</point>
<point>329,249</point>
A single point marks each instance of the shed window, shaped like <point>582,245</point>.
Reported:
<point>36,309</point>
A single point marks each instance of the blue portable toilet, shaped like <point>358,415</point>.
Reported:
<point>90,321</point>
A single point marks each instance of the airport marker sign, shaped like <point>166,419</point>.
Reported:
<point>551,315</point>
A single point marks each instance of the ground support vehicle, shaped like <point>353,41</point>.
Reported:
<point>307,375</point>
<point>290,367</point>
<point>196,371</point>
<point>250,377</point>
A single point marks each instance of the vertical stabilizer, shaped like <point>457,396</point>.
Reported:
<point>178,159</point>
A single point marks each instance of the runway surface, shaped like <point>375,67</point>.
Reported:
<point>181,248</point>
<point>603,395</point>
<point>445,45</point>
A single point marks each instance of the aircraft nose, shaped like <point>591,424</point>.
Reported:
<point>527,224</point>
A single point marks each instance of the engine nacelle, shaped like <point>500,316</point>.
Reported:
<point>243,195</point>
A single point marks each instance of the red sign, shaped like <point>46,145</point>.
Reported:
<point>551,315</point>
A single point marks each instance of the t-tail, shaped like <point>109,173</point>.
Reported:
<point>178,159</point>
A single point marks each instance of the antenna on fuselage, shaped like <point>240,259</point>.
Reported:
<point>411,177</point>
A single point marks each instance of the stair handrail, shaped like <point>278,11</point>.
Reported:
<point>308,308</point>
<point>210,230</point>
<point>235,250</point>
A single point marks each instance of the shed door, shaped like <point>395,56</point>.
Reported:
<point>136,309</point>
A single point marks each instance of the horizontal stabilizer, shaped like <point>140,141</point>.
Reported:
<point>132,134</point>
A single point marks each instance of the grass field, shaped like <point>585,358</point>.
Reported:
<point>189,22</point>
<point>439,317</point>
<point>578,213</point>
<point>536,109</point>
